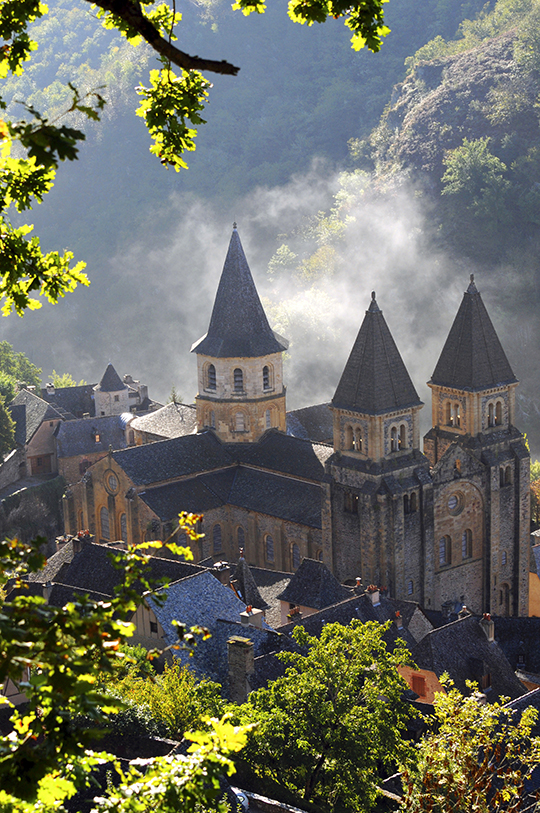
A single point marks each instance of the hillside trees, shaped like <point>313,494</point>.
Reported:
<point>324,728</point>
<point>171,107</point>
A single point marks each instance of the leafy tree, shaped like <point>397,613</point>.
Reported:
<point>475,758</point>
<point>325,728</point>
<point>65,380</point>
<point>174,398</point>
<point>171,106</point>
<point>7,430</point>
<point>54,655</point>
<point>17,367</point>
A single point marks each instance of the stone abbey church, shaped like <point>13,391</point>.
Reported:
<point>442,527</point>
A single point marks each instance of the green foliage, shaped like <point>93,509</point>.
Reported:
<point>64,380</point>
<point>175,700</point>
<point>324,729</point>
<point>174,398</point>
<point>7,430</point>
<point>475,758</point>
<point>16,367</point>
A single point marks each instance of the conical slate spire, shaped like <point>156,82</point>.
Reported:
<point>111,381</point>
<point>238,326</point>
<point>375,379</point>
<point>473,357</point>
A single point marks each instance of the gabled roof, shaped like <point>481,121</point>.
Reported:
<point>284,453</point>
<point>238,325</point>
<point>313,585</point>
<point>311,423</point>
<point>171,421</point>
<point>375,379</point>
<point>472,357</point>
<point>462,649</point>
<point>111,381</point>
<point>78,436</point>
<point>30,413</point>
<point>77,401</point>
<point>246,586</point>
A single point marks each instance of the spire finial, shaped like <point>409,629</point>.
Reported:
<point>234,225</point>
<point>472,289</point>
<point>373,307</point>
<point>472,277</point>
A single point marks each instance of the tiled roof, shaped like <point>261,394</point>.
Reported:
<point>462,649</point>
<point>313,585</point>
<point>77,401</point>
<point>277,496</point>
<point>171,421</point>
<point>238,326</point>
<point>472,357</point>
<point>311,423</point>
<point>375,379</point>
<point>246,586</point>
<point>169,459</point>
<point>283,453</point>
<point>78,437</point>
<point>36,410</point>
<point>187,495</point>
<point>111,381</point>
<point>520,637</point>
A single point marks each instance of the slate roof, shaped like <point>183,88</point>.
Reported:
<point>313,585</point>
<point>36,410</point>
<point>91,570</point>
<point>238,325</point>
<point>78,437</point>
<point>171,421</point>
<point>360,607</point>
<point>520,636</point>
<point>311,423</point>
<point>169,459</point>
<point>462,649</point>
<point>76,401</point>
<point>472,357</point>
<point>111,381</point>
<point>375,379</point>
<point>245,585</point>
<point>254,490</point>
<point>283,453</point>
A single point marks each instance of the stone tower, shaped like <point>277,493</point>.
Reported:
<point>480,472</point>
<point>239,361</point>
<point>111,395</point>
<point>380,489</point>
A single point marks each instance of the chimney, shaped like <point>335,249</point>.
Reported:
<point>398,620</point>
<point>222,572</point>
<point>373,594</point>
<point>46,588</point>
<point>488,625</point>
<point>86,414</point>
<point>358,589</point>
<point>81,539</point>
<point>252,617</point>
<point>464,612</point>
<point>241,666</point>
<point>50,388</point>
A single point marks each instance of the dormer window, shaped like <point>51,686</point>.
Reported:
<point>238,376</point>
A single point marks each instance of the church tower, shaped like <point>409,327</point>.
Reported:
<point>480,472</point>
<point>380,488</point>
<point>239,361</point>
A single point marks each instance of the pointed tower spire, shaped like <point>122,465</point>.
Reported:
<point>240,368</point>
<point>472,358</point>
<point>375,379</point>
<point>238,325</point>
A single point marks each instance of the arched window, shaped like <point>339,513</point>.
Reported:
<point>269,548</point>
<point>104,524</point>
<point>402,436</point>
<point>211,377</point>
<point>241,537</point>
<point>216,538</point>
<point>508,475</point>
<point>268,419</point>
<point>393,440</point>
<point>295,556</point>
<point>406,504</point>
<point>349,438</point>
<point>501,476</point>
<point>123,528</point>
<point>84,465</point>
<point>457,415</point>
<point>319,555</point>
<point>445,551</point>
<point>498,413</point>
<point>414,502</point>
<point>238,380</point>
<point>466,544</point>
<point>410,587</point>
<point>491,415</point>
<point>240,422</point>
<point>504,599</point>
<point>504,558</point>
<point>212,419</point>
<point>448,413</point>
<point>266,378</point>
<point>357,442</point>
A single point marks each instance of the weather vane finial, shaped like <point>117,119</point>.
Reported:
<point>234,225</point>
<point>373,295</point>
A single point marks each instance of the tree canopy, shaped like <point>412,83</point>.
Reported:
<point>171,106</point>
